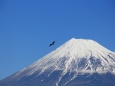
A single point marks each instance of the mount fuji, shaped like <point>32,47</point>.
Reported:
<point>78,62</point>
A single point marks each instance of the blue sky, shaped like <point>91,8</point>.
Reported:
<point>27,27</point>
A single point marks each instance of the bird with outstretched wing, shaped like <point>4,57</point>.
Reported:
<point>52,43</point>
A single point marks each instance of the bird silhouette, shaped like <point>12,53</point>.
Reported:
<point>52,43</point>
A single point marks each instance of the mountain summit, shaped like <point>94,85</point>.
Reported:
<point>75,60</point>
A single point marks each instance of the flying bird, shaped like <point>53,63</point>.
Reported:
<point>52,43</point>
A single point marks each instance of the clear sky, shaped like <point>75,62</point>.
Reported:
<point>27,27</point>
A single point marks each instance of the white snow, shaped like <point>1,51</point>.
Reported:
<point>80,55</point>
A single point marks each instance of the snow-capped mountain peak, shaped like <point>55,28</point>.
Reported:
<point>62,66</point>
<point>79,55</point>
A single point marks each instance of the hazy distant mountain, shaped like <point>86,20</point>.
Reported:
<point>78,62</point>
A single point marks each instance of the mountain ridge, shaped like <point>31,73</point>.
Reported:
<point>73,58</point>
<point>70,52</point>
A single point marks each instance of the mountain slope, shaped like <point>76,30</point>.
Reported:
<point>77,58</point>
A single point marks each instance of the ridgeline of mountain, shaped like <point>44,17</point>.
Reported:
<point>78,62</point>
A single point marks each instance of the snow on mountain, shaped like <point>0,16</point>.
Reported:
<point>74,60</point>
<point>78,55</point>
